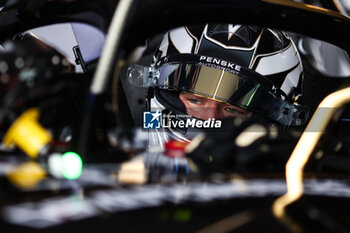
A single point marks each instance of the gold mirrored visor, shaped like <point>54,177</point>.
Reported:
<point>234,85</point>
<point>209,82</point>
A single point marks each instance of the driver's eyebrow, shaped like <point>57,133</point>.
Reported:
<point>198,97</point>
<point>238,109</point>
<point>193,96</point>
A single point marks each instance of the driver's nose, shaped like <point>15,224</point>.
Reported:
<point>212,110</point>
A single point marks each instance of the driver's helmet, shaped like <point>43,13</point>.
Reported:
<point>256,69</point>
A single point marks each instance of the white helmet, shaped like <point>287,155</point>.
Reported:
<point>254,68</point>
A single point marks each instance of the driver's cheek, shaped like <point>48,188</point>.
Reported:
<point>226,113</point>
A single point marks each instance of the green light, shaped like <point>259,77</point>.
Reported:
<point>72,165</point>
<point>182,215</point>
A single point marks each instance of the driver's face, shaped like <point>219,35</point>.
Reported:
<point>204,108</point>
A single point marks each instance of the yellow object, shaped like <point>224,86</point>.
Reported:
<point>306,145</point>
<point>133,172</point>
<point>27,175</point>
<point>27,133</point>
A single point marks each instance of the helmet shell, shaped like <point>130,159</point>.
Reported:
<point>269,52</point>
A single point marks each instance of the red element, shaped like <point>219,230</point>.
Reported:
<point>175,149</point>
<point>59,143</point>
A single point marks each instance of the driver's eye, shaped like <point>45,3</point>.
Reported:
<point>232,110</point>
<point>194,101</point>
